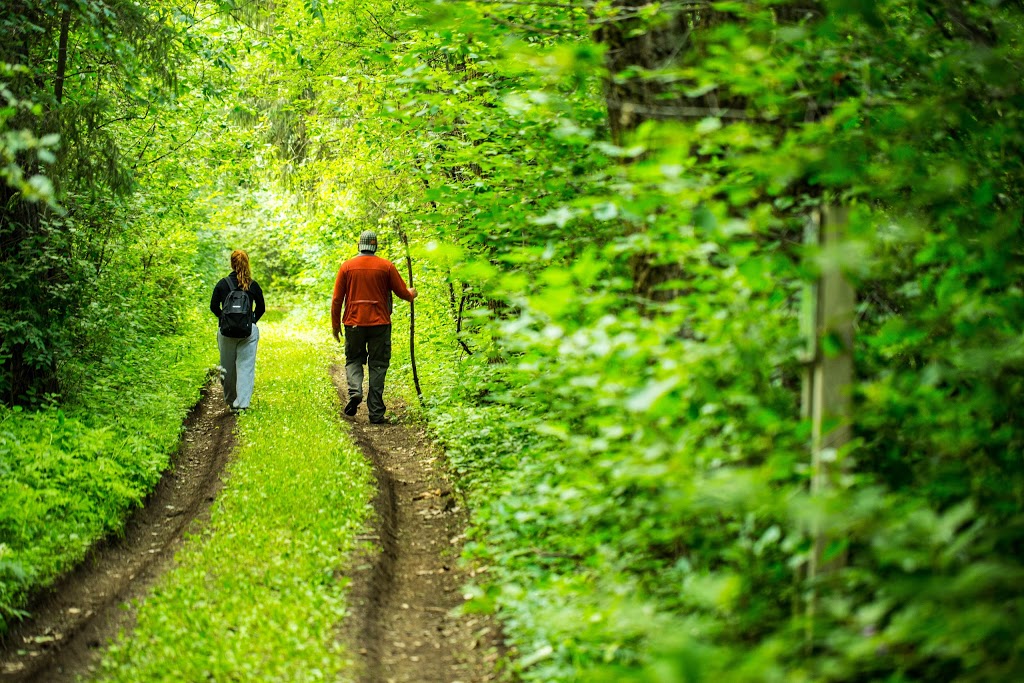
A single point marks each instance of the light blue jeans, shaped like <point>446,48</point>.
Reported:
<point>238,367</point>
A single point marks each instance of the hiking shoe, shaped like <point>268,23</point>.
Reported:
<point>352,405</point>
<point>385,420</point>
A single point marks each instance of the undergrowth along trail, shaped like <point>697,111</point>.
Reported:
<point>256,596</point>
<point>71,474</point>
<point>71,619</point>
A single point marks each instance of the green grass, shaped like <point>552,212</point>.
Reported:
<point>69,475</point>
<point>256,596</point>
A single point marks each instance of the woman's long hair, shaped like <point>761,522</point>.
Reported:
<point>240,264</point>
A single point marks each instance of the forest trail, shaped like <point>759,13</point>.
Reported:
<point>405,584</point>
<point>73,620</point>
<point>401,627</point>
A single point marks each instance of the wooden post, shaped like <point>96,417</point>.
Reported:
<point>827,322</point>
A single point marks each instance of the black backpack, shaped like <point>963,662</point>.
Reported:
<point>236,313</point>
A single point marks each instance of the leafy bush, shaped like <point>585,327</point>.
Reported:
<point>71,474</point>
<point>656,521</point>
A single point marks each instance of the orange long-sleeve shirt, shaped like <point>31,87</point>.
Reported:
<point>364,285</point>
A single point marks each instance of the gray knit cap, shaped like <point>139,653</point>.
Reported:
<point>368,241</point>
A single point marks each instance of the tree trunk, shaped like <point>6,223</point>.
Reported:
<point>62,56</point>
<point>632,99</point>
<point>638,47</point>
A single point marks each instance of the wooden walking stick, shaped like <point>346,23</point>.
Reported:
<point>412,317</point>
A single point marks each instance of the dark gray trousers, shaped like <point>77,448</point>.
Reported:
<point>369,346</point>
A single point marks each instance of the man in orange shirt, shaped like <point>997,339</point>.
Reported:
<point>364,285</point>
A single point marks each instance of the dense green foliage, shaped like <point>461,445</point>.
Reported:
<point>606,205</point>
<point>656,524</point>
<point>71,474</point>
<point>96,212</point>
<point>642,472</point>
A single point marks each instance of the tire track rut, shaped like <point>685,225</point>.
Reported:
<point>403,625</point>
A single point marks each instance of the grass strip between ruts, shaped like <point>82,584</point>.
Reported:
<point>256,596</point>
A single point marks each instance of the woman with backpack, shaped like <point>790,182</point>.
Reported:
<point>238,304</point>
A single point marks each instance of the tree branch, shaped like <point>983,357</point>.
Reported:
<point>173,150</point>
<point>379,26</point>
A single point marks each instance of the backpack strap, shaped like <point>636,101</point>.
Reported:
<point>231,288</point>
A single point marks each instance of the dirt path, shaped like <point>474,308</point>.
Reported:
<point>404,590</point>
<point>401,626</point>
<point>83,611</point>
